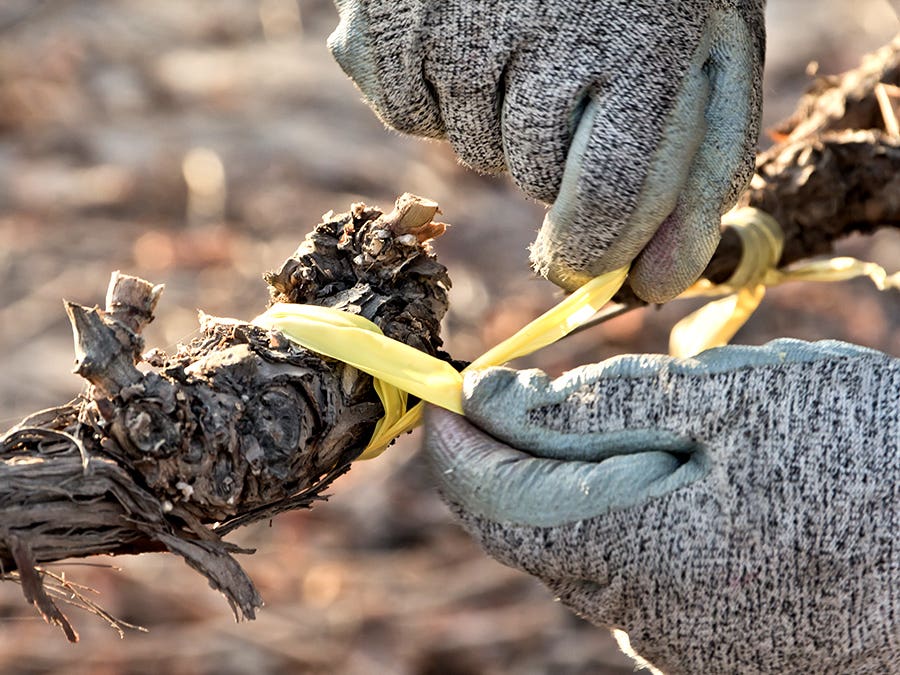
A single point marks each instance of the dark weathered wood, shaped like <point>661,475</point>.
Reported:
<point>846,101</point>
<point>820,190</point>
<point>237,426</point>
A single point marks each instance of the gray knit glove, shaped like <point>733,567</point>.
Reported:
<point>737,512</point>
<point>637,119</point>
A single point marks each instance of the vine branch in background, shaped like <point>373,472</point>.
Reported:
<point>241,425</point>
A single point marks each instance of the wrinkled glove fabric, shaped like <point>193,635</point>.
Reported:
<point>636,119</point>
<point>733,513</point>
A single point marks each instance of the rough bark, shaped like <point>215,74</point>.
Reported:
<point>820,190</point>
<point>845,101</point>
<point>235,427</point>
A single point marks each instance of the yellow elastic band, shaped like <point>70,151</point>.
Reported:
<point>397,368</point>
<point>762,239</point>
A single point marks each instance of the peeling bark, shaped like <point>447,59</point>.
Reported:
<point>235,427</point>
<point>845,101</point>
<point>834,170</point>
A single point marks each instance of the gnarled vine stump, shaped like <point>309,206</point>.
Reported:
<point>236,426</point>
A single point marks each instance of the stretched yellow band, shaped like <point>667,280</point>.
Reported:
<point>398,369</point>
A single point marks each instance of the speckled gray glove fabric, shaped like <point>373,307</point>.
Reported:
<point>636,119</point>
<point>737,512</point>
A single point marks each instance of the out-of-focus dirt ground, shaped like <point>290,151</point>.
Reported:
<point>101,103</point>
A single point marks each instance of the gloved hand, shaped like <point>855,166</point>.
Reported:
<point>737,512</point>
<point>637,119</point>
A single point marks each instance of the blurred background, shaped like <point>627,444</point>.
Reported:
<point>193,144</point>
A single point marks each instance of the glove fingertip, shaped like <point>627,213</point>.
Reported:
<point>348,45</point>
<point>497,399</point>
<point>676,255</point>
<point>484,385</point>
<point>463,460</point>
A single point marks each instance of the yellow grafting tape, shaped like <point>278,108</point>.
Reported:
<point>398,368</point>
<point>714,324</point>
<point>360,343</point>
<point>557,322</point>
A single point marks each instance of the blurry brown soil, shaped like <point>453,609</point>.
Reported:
<point>100,103</point>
